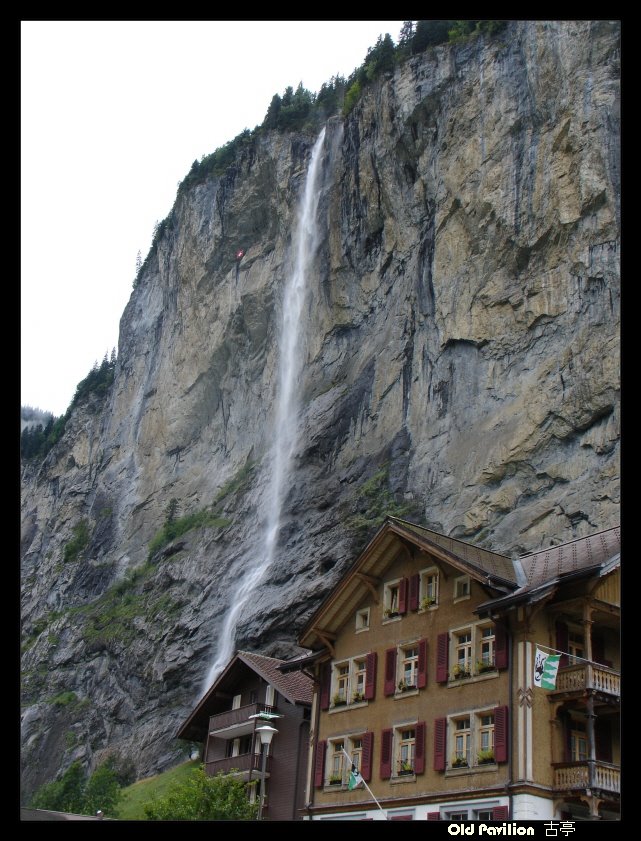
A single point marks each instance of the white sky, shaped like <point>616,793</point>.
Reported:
<point>113,115</point>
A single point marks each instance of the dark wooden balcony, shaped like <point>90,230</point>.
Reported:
<point>575,776</point>
<point>574,681</point>
<point>233,723</point>
<point>242,764</point>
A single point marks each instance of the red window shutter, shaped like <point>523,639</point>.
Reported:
<point>442,657</point>
<point>434,816</point>
<point>325,680</point>
<point>401,818</point>
<point>500,813</point>
<point>389,686</point>
<point>319,764</point>
<point>402,596</point>
<point>419,749</point>
<point>386,754</point>
<point>501,652</point>
<point>500,734</point>
<point>370,676</point>
<point>421,680</point>
<point>367,755</point>
<point>415,584</point>
<point>440,730</point>
<point>562,641</point>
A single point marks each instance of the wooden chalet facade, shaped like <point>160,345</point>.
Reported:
<point>224,723</point>
<point>423,657</point>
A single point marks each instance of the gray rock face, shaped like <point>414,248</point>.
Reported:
<point>461,368</point>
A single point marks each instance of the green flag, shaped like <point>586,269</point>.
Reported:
<point>545,668</point>
<point>355,778</point>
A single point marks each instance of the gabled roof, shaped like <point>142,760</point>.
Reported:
<point>394,536</point>
<point>594,555</point>
<point>295,687</point>
<point>531,576</point>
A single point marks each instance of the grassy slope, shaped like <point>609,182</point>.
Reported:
<point>131,807</point>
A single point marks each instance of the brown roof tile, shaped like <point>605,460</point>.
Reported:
<point>555,561</point>
<point>295,686</point>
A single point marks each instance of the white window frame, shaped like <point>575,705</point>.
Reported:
<point>353,680</point>
<point>425,591</point>
<point>474,659</point>
<point>362,620</point>
<point>391,598</point>
<point>403,748</point>
<point>462,582</point>
<point>336,763</point>
<point>576,645</point>
<point>472,737</point>
<point>407,666</point>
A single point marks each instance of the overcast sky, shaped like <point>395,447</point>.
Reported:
<point>113,115</point>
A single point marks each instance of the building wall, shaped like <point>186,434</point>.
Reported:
<point>483,692</point>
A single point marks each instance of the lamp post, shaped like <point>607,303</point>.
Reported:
<point>266,733</point>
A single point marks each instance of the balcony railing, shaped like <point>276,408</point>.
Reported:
<point>573,776</point>
<point>586,676</point>
<point>244,763</point>
<point>232,718</point>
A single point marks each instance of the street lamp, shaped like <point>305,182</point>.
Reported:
<point>266,733</point>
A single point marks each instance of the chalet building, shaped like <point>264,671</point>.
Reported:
<point>225,722</point>
<point>424,664</point>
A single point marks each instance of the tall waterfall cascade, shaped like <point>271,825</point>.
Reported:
<point>286,408</point>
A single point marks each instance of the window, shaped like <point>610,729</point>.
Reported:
<point>362,619</point>
<point>409,666</point>
<point>342,684</point>
<point>462,587</point>
<point>357,753</point>
<point>488,811</point>
<point>391,600</point>
<point>405,668</point>
<point>403,751</point>
<point>485,752</point>
<point>486,662</point>
<point>473,739</point>
<point>462,743</point>
<point>360,673</point>
<point>475,650</point>
<point>575,647</point>
<point>429,588</point>
<point>578,741</point>
<point>463,654</point>
<point>406,746</point>
<point>349,682</point>
<point>332,763</point>
<point>336,762</point>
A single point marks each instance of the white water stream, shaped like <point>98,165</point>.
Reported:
<point>287,410</point>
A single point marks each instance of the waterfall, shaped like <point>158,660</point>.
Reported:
<point>287,409</point>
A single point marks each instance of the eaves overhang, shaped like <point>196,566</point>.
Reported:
<point>533,594</point>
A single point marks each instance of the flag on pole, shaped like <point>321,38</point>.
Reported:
<point>355,778</point>
<point>545,668</point>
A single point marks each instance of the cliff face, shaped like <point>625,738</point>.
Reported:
<point>460,350</point>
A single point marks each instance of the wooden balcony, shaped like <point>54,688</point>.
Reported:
<point>575,776</point>
<point>572,681</point>
<point>234,723</point>
<point>242,764</point>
